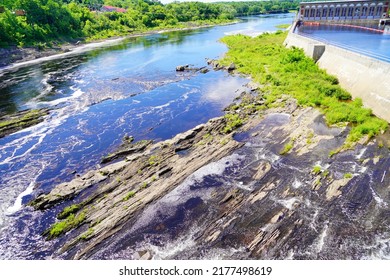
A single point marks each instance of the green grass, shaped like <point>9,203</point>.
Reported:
<point>348,175</point>
<point>144,185</point>
<point>287,148</point>
<point>60,228</point>
<point>129,195</point>
<point>309,138</point>
<point>283,26</point>
<point>316,169</point>
<point>153,160</point>
<point>289,71</point>
<point>87,234</point>
<point>68,211</point>
<point>233,121</point>
<point>325,173</point>
<point>32,114</point>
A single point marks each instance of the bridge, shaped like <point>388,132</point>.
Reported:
<point>353,12</point>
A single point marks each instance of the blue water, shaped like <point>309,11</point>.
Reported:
<point>373,44</point>
<point>97,97</point>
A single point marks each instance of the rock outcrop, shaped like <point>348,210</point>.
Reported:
<point>23,119</point>
<point>124,188</point>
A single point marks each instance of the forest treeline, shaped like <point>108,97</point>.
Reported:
<point>41,22</point>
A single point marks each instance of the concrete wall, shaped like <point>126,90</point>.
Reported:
<point>362,76</point>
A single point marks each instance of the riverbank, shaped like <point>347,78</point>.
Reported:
<point>15,57</point>
<point>289,71</point>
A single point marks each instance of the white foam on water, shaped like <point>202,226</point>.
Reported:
<point>380,250</point>
<point>378,199</point>
<point>296,184</point>
<point>225,253</point>
<point>18,143</point>
<point>267,156</point>
<point>249,187</point>
<point>362,151</point>
<point>76,94</point>
<point>170,249</point>
<point>15,187</point>
<point>290,255</point>
<point>18,202</point>
<point>313,220</point>
<point>37,132</point>
<point>12,248</point>
<point>47,87</point>
<point>214,168</point>
<point>289,203</point>
<point>160,107</point>
<point>267,227</point>
<point>362,169</point>
<point>321,239</point>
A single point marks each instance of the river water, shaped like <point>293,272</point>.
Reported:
<point>366,42</point>
<point>132,88</point>
<point>96,97</point>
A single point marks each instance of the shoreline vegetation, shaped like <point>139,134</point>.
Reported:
<point>34,28</point>
<point>289,72</point>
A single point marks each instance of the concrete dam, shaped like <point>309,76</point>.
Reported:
<point>363,76</point>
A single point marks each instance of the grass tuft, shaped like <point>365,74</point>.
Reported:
<point>59,228</point>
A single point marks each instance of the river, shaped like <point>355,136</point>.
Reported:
<point>366,42</point>
<point>97,97</point>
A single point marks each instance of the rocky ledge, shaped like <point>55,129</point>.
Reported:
<point>125,187</point>
<point>20,120</point>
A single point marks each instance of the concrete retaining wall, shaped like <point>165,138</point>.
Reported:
<point>362,76</point>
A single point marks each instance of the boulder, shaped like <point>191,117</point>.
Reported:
<point>231,67</point>
<point>182,68</point>
<point>142,255</point>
